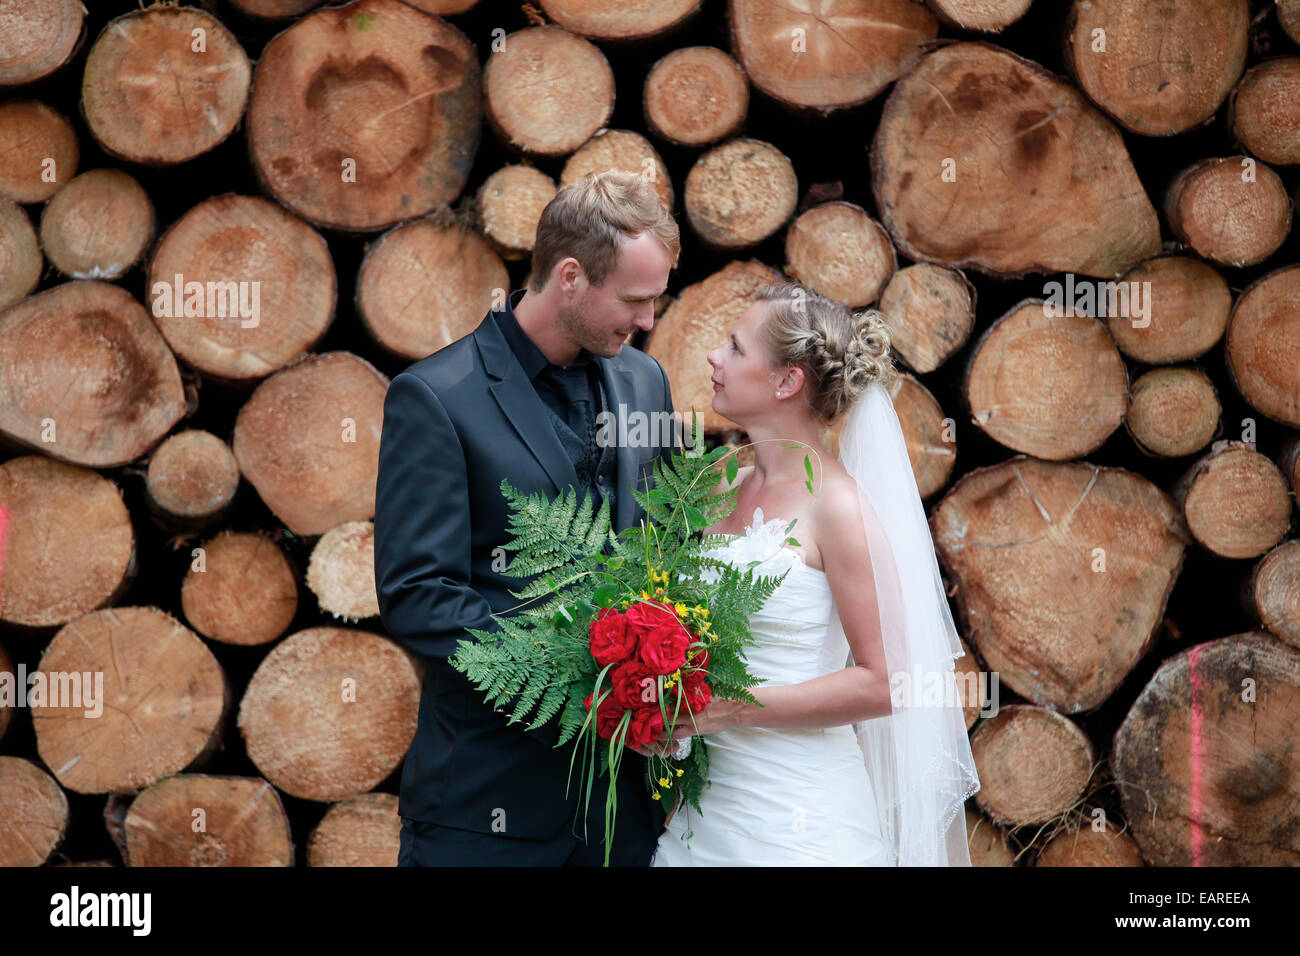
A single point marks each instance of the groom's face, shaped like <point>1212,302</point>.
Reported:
<point>599,318</point>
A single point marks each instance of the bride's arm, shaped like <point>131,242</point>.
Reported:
<point>860,692</point>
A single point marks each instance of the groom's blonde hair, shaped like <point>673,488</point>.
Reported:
<point>589,220</point>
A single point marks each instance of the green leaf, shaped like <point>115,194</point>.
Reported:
<point>605,594</point>
<point>807,466</point>
<point>615,562</point>
<point>733,466</point>
<point>793,541</point>
<point>696,517</point>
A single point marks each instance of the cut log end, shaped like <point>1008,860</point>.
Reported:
<point>984,16</point>
<point>35,810</point>
<point>365,115</point>
<point>626,20</point>
<point>1275,591</point>
<point>330,713</point>
<point>1186,311</point>
<point>201,820</point>
<point>1263,345</point>
<point>40,37</point>
<point>69,546</point>
<point>1235,501</point>
<point>157,710</point>
<point>164,84</point>
<point>548,91</point>
<point>622,150</point>
<point>509,205</point>
<point>98,226</point>
<point>88,350</point>
<point>341,572</point>
<point>240,589</point>
<point>1266,111</point>
<point>364,830</point>
<point>1173,411</point>
<point>20,254</point>
<point>1033,765</point>
<point>38,151</point>
<point>1233,211</point>
<point>739,193</point>
<point>424,285</point>
<point>837,249</point>
<point>192,478</point>
<point>696,96</point>
<point>931,314</point>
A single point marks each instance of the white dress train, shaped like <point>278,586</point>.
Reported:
<point>781,797</point>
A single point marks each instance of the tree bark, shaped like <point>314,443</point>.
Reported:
<point>240,590</point>
<point>164,84</point>
<point>1061,573</point>
<point>164,696</point>
<point>364,115</point>
<point>695,96</point>
<point>308,441</point>
<point>69,546</point>
<point>965,174</point>
<point>330,712</point>
<point>1203,760</point>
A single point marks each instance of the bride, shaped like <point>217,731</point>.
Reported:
<point>845,762</point>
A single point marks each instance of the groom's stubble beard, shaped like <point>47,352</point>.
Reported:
<point>578,329</point>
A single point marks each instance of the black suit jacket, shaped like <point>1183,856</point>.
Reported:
<point>455,424</point>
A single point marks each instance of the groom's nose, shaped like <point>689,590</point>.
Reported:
<point>646,319</point>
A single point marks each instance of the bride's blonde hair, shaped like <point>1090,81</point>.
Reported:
<point>841,352</point>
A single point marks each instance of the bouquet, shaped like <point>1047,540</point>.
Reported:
<point>621,637</point>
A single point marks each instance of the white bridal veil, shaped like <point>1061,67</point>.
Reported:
<point>919,758</point>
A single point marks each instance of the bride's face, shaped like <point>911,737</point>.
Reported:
<point>744,378</point>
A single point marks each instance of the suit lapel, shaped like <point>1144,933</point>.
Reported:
<point>520,404</point>
<point>618,392</point>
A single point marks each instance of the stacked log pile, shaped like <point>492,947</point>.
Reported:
<point>225,226</point>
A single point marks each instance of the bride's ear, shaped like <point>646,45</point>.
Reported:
<point>788,381</point>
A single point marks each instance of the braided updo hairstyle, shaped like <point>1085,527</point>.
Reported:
<point>840,352</point>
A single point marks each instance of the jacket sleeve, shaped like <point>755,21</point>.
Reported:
<point>422,526</point>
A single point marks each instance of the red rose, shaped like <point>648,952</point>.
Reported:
<point>611,640</point>
<point>698,693</point>
<point>645,726</point>
<point>634,686</point>
<point>646,616</point>
<point>607,717</point>
<point>664,648</point>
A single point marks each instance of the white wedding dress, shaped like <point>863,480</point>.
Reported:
<point>781,797</point>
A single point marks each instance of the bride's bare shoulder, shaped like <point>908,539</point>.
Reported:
<point>741,474</point>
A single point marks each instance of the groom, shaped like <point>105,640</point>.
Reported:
<point>521,397</point>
